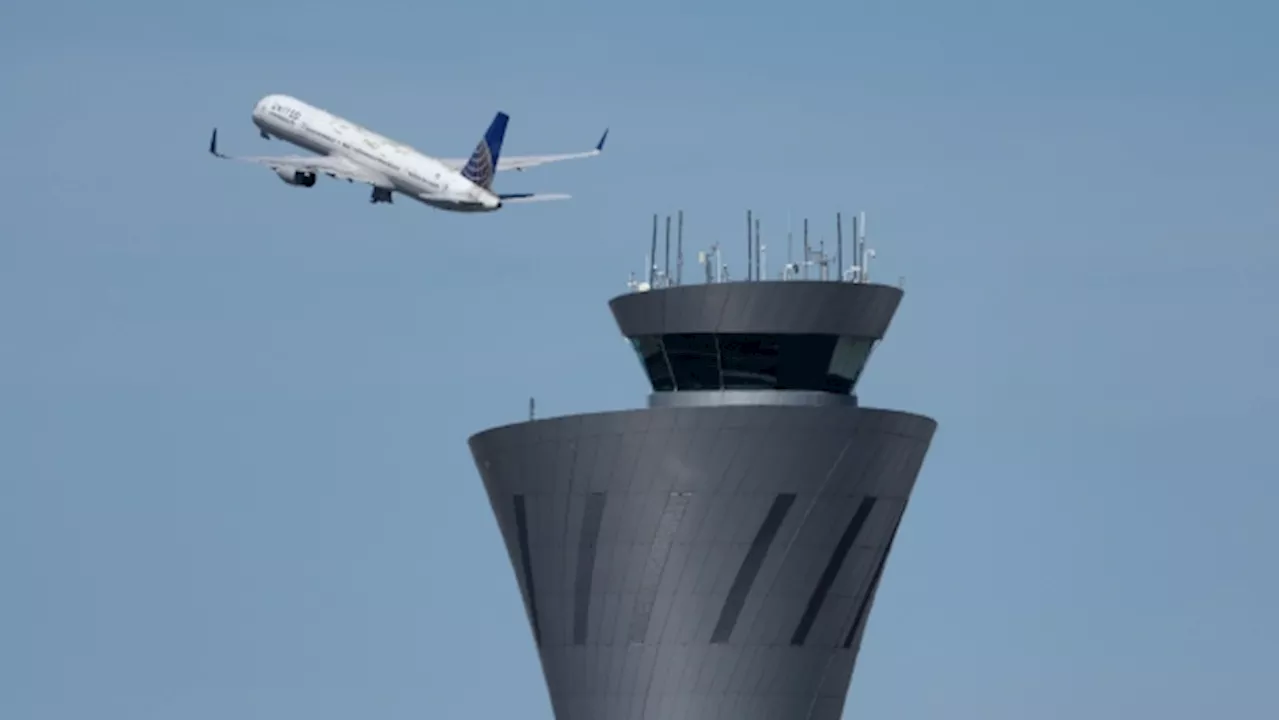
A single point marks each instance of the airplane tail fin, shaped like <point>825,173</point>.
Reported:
<point>483,162</point>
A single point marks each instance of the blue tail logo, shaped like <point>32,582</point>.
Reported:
<point>480,168</point>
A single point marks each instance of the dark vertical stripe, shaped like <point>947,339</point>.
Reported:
<point>833,568</point>
<point>866,598</point>
<point>526,561</point>
<point>750,567</point>
<point>657,561</point>
<point>591,517</point>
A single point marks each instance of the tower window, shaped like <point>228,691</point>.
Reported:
<point>706,361</point>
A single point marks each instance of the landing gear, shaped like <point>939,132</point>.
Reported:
<point>264,134</point>
<point>380,195</point>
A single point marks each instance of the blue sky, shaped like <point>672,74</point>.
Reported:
<point>234,480</point>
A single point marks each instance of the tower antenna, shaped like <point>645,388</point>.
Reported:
<point>749,252</point>
<point>788,238</point>
<point>758,267</point>
<point>839,249</point>
<point>653,250</point>
<point>856,268</point>
<point>862,245</point>
<point>666,265</point>
<point>805,260</point>
<point>679,246</point>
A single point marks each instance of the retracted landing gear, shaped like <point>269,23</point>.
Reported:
<point>380,195</point>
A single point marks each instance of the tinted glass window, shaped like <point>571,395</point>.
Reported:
<point>695,360</point>
<point>743,362</point>
<point>649,350</point>
<point>849,358</point>
<point>749,361</point>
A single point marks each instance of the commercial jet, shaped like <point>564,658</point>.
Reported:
<point>347,151</point>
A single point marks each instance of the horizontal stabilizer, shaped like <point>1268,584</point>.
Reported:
<point>531,197</point>
<point>486,159</point>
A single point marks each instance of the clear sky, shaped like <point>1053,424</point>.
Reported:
<point>234,480</point>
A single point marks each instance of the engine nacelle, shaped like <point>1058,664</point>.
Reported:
<point>297,177</point>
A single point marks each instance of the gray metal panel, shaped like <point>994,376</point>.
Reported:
<point>686,492</point>
<point>826,308</point>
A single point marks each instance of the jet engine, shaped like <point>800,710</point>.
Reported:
<point>297,177</point>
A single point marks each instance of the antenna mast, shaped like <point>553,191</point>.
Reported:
<point>839,249</point>
<point>805,259</point>
<point>679,246</point>
<point>653,250</point>
<point>788,238</point>
<point>759,268</point>
<point>862,246</point>
<point>666,271</point>
<point>855,270</point>
<point>814,257</point>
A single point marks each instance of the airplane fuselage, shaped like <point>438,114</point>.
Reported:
<point>404,170</point>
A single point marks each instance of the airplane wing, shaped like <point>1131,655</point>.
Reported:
<point>513,198</point>
<point>336,167</point>
<point>522,162</point>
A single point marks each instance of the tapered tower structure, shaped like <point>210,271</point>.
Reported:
<point>716,554</point>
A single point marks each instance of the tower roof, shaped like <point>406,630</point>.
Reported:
<point>859,310</point>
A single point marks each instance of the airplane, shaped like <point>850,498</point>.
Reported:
<point>347,151</point>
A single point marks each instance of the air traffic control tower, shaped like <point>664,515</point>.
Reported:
<point>715,555</point>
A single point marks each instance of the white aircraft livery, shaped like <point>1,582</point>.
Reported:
<point>347,151</point>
